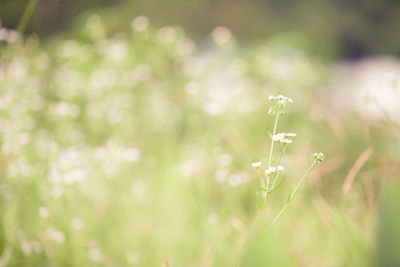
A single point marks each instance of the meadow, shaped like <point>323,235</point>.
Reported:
<point>135,149</point>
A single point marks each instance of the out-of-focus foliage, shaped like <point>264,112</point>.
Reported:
<point>349,28</point>
<point>388,230</point>
<point>264,249</point>
<point>134,149</point>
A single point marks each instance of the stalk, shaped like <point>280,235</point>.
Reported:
<point>276,175</point>
<point>312,167</point>
<point>272,144</point>
<point>272,140</point>
<point>30,7</point>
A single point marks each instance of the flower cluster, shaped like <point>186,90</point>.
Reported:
<point>273,170</point>
<point>319,157</point>
<point>282,137</point>
<point>279,104</point>
<point>280,99</point>
<point>271,178</point>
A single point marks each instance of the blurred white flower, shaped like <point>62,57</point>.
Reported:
<point>55,235</point>
<point>236,223</point>
<point>239,178</point>
<point>56,192</point>
<point>191,167</point>
<point>77,224</point>
<point>75,176</point>
<point>256,165</point>
<point>131,154</point>
<point>225,159</point>
<point>113,49</point>
<point>95,254</point>
<point>168,34</point>
<point>140,23</point>
<point>221,175</point>
<point>66,109</point>
<point>26,247</point>
<point>213,218</point>
<point>139,188</point>
<point>221,35</point>
<point>43,212</point>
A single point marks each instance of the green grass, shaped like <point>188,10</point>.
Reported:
<point>149,142</point>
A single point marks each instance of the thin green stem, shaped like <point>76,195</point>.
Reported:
<point>272,144</point>
<point>309,170</point>
<point>276,174</point>
<point>272,140</point>
<point>30,7</point>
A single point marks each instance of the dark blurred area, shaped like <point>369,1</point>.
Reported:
<point>339,29</point>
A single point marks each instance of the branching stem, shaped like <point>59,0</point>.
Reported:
<point>309,170</point>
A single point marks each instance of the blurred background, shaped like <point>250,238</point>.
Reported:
<point>128,129</point>
<point>344,29</point>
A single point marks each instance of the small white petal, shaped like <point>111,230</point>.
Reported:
<point>278,137</point>
<point>256,165</point>
<point>270,170</point>
<point>286,141</point>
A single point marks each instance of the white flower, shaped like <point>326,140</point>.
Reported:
<point>286,141</point>
<point>278,137</point>
<point>281,99</point>
<point>272,169</point>
<point>281,137</point>
<point>256,165</point>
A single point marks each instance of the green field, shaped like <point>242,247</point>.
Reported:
<point>134,148</point>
